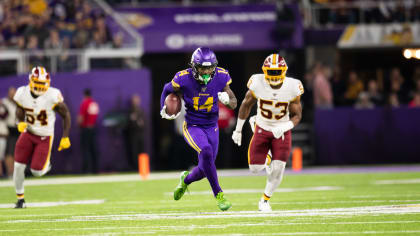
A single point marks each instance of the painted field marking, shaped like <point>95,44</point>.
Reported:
<point>163,228</point>
<point>281,190</point>
<point>52,204</point>
<point>353,211</point>
<point>398,181</point>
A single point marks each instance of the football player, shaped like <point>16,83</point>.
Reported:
<point>37,103</point>
<point>202,86</point>
<point>279,110</point>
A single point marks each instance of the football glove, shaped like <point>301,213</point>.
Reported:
<point>223,97</point>
<point>237,137</point>
<point>64,143</point>
<point>22,126</point>
<point>166,116</point>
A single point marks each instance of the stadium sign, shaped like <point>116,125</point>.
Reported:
<point>237,27</point>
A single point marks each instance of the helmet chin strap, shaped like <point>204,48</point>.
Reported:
<point>205,78</point>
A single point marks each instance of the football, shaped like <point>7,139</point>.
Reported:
<point>173,104</point>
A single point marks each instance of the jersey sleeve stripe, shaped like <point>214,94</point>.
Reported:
<point>175,84</point>
<point>229,82</point>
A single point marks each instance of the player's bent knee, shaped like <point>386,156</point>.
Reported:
<point>206,152</point>
<point>256,168</point>
<point>39,173</point>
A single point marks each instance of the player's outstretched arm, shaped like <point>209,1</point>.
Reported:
<point>295,111</point>
<point>246,105</point>
<point>243,114</point>
<point>20,116</point>
<point>232,102</point>
<point>62,109</point>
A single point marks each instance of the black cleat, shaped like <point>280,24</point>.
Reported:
<point>20,204</point>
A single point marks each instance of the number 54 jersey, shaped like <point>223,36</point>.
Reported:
<point>273,104</point>
<point>39,112</point>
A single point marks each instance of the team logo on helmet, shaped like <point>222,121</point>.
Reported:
<point>39,80</point>
<point>274,68</point>
<point>203,64</point>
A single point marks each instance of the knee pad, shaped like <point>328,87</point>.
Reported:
<point>39,173</point>
<point>19,166</point>
<point>277,167</point>
<point>256,168</point>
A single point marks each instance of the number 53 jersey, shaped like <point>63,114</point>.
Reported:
<point>273,104</point>
<point>39,112</point>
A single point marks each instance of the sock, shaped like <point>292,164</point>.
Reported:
<point>18,178</point>
<point>274,178</point>
<point>265,197</point>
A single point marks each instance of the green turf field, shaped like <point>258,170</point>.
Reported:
<point>306,204</point>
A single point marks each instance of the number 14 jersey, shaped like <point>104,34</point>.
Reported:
<point>39,112</point>
<point>273,104</point>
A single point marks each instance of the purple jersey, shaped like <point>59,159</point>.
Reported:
<point>201,101</point>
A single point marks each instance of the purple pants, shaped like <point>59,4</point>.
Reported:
<point>205,140</point>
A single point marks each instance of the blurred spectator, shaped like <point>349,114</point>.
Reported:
<point>4,132</point>
<point>354,87</point>
<point>88,114</point>
<point>363,101</point>
<point>226,123</point>
<point>375,96</point>
<point>342,14</point>
<point>398,85</point>
<point>135,131</point>
<point>393,100</point>
<point>338,86</point>
<point>53,41</point>
<point>13,132</point>
<point>323,97</point>
<point>416,101</point>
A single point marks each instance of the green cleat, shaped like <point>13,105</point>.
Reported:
<point>180,189</point>
<point>222,203</point>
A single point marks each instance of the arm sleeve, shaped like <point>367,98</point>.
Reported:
<point>299,88</point>
<point>252,85</point>
<point>57,97</point>
<point>167,89</point>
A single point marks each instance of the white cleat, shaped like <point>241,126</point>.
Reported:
<point>264,206</point>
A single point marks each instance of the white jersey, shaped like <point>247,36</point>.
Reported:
<point>39,113</point>
<point>273,104</point>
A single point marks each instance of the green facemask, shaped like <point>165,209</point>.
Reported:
<point>206,78</point>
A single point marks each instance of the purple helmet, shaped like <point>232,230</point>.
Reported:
<point>203,58</point>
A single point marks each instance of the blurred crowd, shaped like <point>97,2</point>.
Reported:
<point>362,11</point>
<point>53,24</point>
<point>327,88</point>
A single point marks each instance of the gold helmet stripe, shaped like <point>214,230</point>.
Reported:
<point>274,62</point>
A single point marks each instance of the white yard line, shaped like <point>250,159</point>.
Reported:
<point>281,190</point>
<point>172,228</point>
<point>51,204</point>
<point>352,211</point>
<point>398,181</point>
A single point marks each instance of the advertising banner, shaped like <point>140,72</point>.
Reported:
<point>236,27</point>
